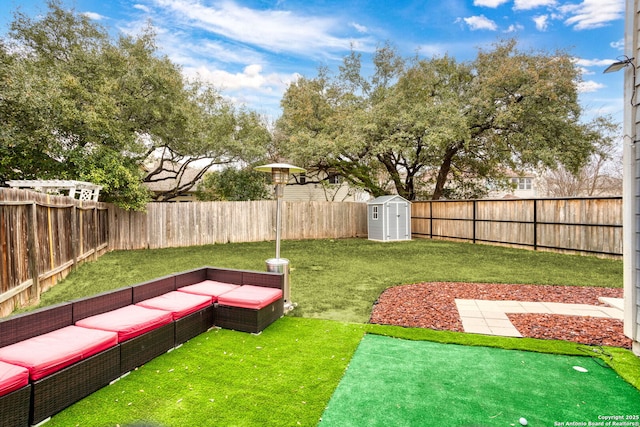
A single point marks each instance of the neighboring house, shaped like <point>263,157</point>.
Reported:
<point>312,186</point>
<point>173,176</point>
<point>525,186</point>
<point>322,186</point>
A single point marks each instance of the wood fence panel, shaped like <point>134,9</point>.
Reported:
<point>42,237</point>
<point>587,225</point>
<point>188,224</point>
<point>421,219</point>
<point>452,219</point>
<point>582,225</point>
<point>14,246</point>
<point>506,221</point>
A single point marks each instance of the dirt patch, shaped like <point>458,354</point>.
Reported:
<point>432,305</point>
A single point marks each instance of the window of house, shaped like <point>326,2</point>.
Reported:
<point>302,178</point>
<point>522,183</point>
<point>374,213</point>
<point>334,179</point>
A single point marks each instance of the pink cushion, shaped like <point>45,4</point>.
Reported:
<point>48,353</point>
<point>209,287</point>
<point>179,304</point>
<point>12,378</point>
<point>128,322</point>
<point>250,296</point>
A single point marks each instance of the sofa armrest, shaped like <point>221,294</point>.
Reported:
<point>266,279</point>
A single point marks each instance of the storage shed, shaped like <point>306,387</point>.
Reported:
<point>389,218</point>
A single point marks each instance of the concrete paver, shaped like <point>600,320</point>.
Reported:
<point>490,317</point>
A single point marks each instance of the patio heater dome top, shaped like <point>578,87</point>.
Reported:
<point>279,171</point>
<point>271,166</point>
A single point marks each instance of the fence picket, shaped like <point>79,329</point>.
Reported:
<point>43,237</point>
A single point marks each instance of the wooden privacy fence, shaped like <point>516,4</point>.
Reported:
<point>42,238</point>
<point>198,223</point>
<point>582,225</point>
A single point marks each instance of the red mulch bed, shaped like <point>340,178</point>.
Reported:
<point>432,305</point>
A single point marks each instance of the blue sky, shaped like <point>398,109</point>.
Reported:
<point>252,49</point>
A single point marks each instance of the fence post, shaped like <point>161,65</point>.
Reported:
<point>431,219</point>
<point>535,224</point>
<point>33,251</point>
<point>96,232</point>
<point>475,209</point>
<point>75,236</point>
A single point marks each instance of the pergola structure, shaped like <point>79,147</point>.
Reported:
<point>77,189</point>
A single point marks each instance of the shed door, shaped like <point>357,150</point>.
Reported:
<point>397,225</point>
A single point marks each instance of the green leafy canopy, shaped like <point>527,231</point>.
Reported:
<point>438,127</point>
<point>76,104</point>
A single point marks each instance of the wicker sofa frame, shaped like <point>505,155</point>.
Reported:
<point>43,398</point>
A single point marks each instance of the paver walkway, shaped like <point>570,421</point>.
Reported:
<point>490,317</point>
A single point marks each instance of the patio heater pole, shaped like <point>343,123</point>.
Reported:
<point>279,191</point>
<point>280,176</point>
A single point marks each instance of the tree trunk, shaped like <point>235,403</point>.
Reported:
<point>443,173</point>
<point>404,189</point>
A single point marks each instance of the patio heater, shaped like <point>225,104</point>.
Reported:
<point>280,176</point>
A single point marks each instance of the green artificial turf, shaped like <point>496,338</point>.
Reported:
<point>282,377</point>
<point>417,383</point>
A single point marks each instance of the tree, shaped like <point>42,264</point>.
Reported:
<point>600,176</point>
<point>74,104</point>
<point>232,184</point>
<point>435,127</point>
<point>217,134</point>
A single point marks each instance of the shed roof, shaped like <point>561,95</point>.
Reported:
<point>384,199</point>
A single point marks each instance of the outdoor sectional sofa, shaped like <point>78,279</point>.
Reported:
<point>55,356</point>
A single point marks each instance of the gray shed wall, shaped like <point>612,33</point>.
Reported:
<point>389,219</point>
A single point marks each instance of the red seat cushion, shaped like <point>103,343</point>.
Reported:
<point>48,353</point>
<point>250,296</point>
<point>179,304</point>
<point>209,287</point>
<point>12,377</point>
<point>128,322</point>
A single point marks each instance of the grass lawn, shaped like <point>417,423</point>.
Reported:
<point>287,375</point>
<point>341,279</point>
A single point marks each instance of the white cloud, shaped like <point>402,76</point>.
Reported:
<point>489,3</point>
<point>542,22</point>
<point>251,77</point>
<point>274,30</point>
<point>532,4</point>
<point>617,44</point>
<point>93,16</point>
<point>480,23</point>
<point>592,13</point>
<point>589,86</point>
<point>514,28</point>
<point>141,7</point>
<point>594,62</point>
<point>586,68</point>
<point>359,28</point>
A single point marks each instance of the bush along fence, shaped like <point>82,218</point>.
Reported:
<point>42,238</point>
<point>575,225</point>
